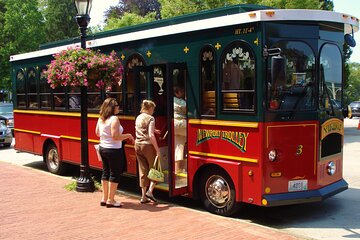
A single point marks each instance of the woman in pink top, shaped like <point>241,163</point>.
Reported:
<point>110,131</point>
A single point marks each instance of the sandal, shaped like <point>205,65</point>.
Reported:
<point>151,196</point>
<point>113,205</point>
<point>143,201</point>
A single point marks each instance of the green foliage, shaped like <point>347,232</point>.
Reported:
<point>128,19</point>
<point>293,4</point>
<point>72,186</point>
<point>60,23</point>
<point>352,92</point>
<point>21,30</point>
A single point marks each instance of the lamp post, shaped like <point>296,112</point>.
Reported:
<point>84,182</point>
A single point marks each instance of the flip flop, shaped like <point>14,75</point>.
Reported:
<point>151,197</point>
<point>114,205</point>
<point>144,201</point>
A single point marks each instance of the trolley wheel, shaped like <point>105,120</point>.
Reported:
<point>52,160</point>
<point>218,192</point>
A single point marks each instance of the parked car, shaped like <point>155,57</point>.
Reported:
<point>6,136</point>
<point>7,114</point>
<point>355,109</point>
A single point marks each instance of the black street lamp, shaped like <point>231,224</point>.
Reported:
<point>84,182</point>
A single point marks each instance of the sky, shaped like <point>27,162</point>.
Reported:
<point>351,7</point>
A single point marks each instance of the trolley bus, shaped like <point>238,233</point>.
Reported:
<point>261,84</point>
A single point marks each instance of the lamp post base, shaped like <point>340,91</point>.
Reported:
<point>85,183</point>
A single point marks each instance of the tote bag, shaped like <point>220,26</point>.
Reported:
<point>155,173</point>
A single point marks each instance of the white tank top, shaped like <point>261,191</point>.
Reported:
<point>106,140</point>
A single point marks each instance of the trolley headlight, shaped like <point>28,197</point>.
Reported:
<point>331,168</point>
<point>272,155</point>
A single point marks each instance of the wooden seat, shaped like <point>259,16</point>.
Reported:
<point>209,99</point>
<point>231,100</point>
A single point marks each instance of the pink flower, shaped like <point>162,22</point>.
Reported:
<point>72,66</point>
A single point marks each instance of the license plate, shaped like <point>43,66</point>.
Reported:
<point>298,185</point>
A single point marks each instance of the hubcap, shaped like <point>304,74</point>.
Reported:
<point>217,191</point>
<point>53,159</point>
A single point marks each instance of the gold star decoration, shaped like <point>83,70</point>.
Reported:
<point>148,53</point>
<point>186,49</point>
<point>218,46</point>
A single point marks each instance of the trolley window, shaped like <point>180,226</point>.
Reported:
<point>208,81</point>
<point>129,84</point>
<point>32,88</point>
<point>330,77</point>
<point>238,78</point>
<point>292,82</point>
<point>20,89</point>
<point>44,90</point>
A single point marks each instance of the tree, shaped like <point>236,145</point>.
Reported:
<point>22,30</point>
<point>131,12</point>
<point>59,19</point>
<point>128,19</point>
<point>351,92</point>
<point>138,7</point>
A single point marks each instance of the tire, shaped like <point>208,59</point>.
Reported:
<point>218,192</point>
<point>53,163</point>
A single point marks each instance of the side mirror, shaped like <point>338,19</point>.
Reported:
<point>278,71</point>
<point>347,113</point>
<point>349,39</point>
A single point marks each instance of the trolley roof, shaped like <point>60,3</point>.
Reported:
<point>234,15</point>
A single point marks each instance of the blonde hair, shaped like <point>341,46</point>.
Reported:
<point>146,105</point>
<point>107,109</point>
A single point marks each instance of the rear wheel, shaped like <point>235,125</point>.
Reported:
<point>218,192</point>
<point>52,160</point>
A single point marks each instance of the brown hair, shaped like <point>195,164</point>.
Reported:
<point>146,105</point>
<point>107,109</point>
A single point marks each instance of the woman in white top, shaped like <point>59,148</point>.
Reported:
<point>110,131</point>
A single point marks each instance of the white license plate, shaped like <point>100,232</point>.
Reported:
<point>298,185</point>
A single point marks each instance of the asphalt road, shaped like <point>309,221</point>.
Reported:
<point>333,219</point>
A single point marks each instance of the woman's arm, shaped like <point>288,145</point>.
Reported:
<point>115,134</point>
<point>97,130</point>
<point>153,138</point>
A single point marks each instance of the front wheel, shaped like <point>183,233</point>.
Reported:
<point>52,160</point>
<point>218,192</point>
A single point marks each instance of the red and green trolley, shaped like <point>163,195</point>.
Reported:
<point>264,89</point>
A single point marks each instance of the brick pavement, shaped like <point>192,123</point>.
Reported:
<point>35,205</point>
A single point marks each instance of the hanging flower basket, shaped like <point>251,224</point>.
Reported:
<point>78,67</point>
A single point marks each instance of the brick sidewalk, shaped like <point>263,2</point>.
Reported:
<point>35,205</point>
